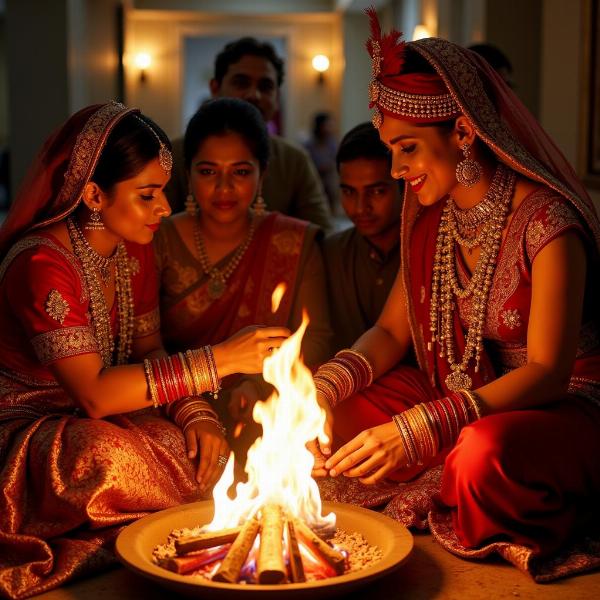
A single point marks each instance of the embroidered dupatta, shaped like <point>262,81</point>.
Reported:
<point>274,255</point>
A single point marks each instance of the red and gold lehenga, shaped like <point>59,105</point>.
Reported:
<point>524,484</point>
<point>68,483</point>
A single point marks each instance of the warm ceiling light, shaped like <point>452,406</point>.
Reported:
<point>420,32</point>
<point>320,63</point>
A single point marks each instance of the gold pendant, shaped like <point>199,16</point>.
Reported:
<point>457,380</point>
<point>216,288</point>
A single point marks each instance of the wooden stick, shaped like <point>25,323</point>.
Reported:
<point>331,555</point>
<point>270,565</point>
<point>296,566</point>
<point>208,539</point>
<point>191,562</point>
<point>229,571</point>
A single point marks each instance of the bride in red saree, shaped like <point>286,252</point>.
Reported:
<point>498,294</point>
<point>221,260</point>
<point>78,315</point>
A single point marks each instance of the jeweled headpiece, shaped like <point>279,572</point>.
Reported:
<point>416,97</point>
<point>165,157</point>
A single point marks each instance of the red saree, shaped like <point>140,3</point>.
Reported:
<point>282,250</point>
<point>524,484</point>
<point>69,483</point>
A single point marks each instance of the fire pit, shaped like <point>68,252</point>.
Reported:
<point>137,541</point>
<point>279,491</point>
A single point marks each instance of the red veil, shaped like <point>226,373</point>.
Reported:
<point>52,188</point>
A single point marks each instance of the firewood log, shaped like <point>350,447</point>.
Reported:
<point>232,564</point>
<point>271,568</point>
<point>335,558</point>
<point>296,567</point>
<point>208,539</point>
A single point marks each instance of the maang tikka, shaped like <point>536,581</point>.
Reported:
<point>165,157</point>
<point>468,171</point>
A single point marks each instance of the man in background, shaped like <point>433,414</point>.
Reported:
<point>251,70</point>
<point>362,262</point>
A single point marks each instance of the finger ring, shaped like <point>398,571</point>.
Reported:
<point>222,460</point>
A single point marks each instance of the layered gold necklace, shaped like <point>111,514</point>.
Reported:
<point>481,228</point>
<point>217,283</point>
<point>93,269</point>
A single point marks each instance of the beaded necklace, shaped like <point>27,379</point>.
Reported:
<point>99,313</point>
<point>445,283</point>
<point>218,278</point>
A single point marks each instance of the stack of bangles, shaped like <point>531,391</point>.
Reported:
<point>192,410</point>
<point>181,375</point>
<point>347,373</point>
<point>430,427</point>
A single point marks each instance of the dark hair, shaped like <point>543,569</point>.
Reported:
<point>234,51</point>
<point>130,146</point>
<point>319,120</point>
<point>227,115</point>
<point>362,141</point>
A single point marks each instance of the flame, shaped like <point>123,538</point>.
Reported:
<point>278,293</point>
<point>279,465</point>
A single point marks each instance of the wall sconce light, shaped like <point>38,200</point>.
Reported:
<point>142,61</point>
<point>320,64</point>
<point>420,32</point>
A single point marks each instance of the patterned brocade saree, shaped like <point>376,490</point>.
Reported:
<point>69,483</point>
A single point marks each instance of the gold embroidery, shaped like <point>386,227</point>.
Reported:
<point>85,155</point>
<point>61,343</point>
<point>287,242</point>
<point>146,324</point>
<point>178,278</point>
<point>511,318</point>
<point>56,306</point>
<point>511,260</point>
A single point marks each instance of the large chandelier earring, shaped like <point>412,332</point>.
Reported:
<point>191,206</point>
<point>468,171</point>
<point>95,223</point>
<point>260,206</point>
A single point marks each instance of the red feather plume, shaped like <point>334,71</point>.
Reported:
<point>391,46</point>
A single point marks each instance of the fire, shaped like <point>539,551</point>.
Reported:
<point>277,296</point>
<point>279,465</point>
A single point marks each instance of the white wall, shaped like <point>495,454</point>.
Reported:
<point>161,34</point>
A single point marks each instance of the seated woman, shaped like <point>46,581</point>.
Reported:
<point>78,314</point>
<point>498,293</point>
<point>221,260</point>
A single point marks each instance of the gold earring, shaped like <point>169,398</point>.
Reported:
<point>260,206</point>
<point>95,223</point>
<point>468,171</point>
<point>191,206</point>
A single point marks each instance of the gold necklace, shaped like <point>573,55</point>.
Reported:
<point>218,277</point>
<point>445,286</point>
<point>99,313</point>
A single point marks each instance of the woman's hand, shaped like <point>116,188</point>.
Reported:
<point>245,351</point>
<point>205,440</point>
<point>242,401</point>
<point>321,449</point>
<point>370,456</point>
